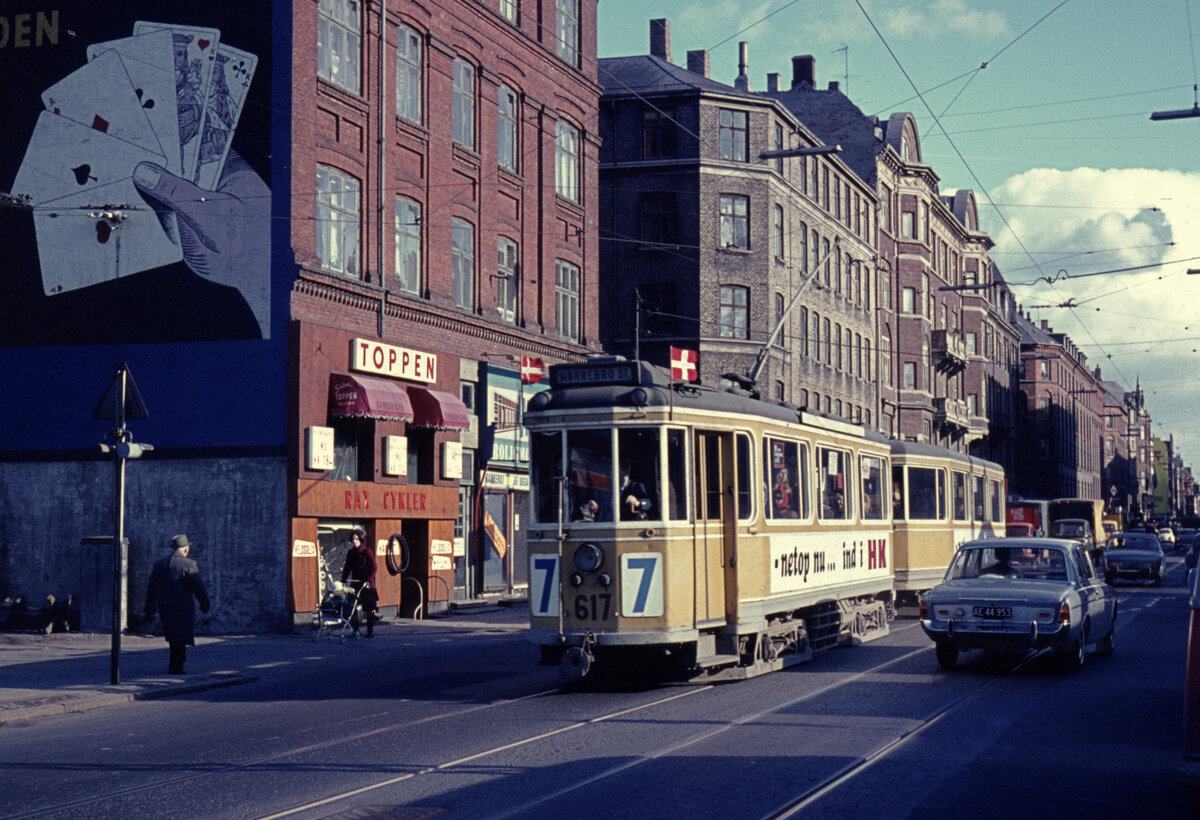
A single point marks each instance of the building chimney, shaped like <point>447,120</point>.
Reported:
<point>804,70</point>
<point>1046,325</point>
<point>698,62</point>
<point>660,39</point>
<point>773,83</point>
<point>834,85</point>
<point>742,83</point>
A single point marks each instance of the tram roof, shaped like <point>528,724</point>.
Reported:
<point>613,383</point>
<point>920,448</point>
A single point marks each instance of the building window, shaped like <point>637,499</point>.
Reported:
<point>840,358</point>
<point>659,309</point>
<point>1110,448</point>
<point>837,277</point>
<point>464,103</point>
<point>816,330</point>
<point>462,256</point>
<point>825,187</point>
<point>885,358</point>
<point>658,134</point>
<point>908,300</point>
<point>777,237</point>
<point>735,222</point>
<point>337,221</point>
<point>908,228</point>
<point>353,450</point>
<point>1044,367</point>
<point>568,31</point>
<point>408,244</point>
<point>658,218</point>
<point>338,42</point>
<point>802,254</point>
<point>506,129</point>
<point>971,344</point>
<point>506,279</point>
<point>566,300</point>
<point>837,198</point>
<point>866,352</point>
<point>779,147</point>
<point>910,376</point>
<point>735,312</point>
<point>734,135</point>
<point>827,332</point>
<point>408,74</point>
<point>972,404</point>
<point>566,165</point>
<point>803,331</point>
<point>509,10</point>
<point>780,307</point>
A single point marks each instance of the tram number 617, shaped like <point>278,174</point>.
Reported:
<point>594,607</point>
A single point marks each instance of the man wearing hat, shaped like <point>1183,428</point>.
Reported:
<point>174,581</point>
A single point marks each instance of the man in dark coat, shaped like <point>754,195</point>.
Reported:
<point>174,582</point>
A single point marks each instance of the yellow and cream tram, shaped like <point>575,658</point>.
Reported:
<point>711,531</point>
<point>940,500</point>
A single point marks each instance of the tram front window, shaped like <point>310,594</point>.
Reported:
<point>639,478</point>
<point>546,458</point>
<point>589,475</point>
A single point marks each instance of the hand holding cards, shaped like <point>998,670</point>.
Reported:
<point>170,96</point>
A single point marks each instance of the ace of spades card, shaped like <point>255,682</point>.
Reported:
<point>75,175</point>
<point>149,62</point>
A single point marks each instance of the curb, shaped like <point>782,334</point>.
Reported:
<point>86,703</point>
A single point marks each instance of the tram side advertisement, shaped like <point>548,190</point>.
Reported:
<point>802,562</point>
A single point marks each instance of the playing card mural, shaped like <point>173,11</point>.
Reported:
<point>136,190</point>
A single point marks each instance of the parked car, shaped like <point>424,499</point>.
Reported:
<point>1013,594</point>
<point>1189,559</point>
<point>1134,556</point>
<point>1166,536</point>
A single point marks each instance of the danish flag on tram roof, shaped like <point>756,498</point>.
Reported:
<point>683,364</point>
<point>532,370</point>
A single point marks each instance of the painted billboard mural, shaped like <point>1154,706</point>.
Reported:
<point>135,202</point>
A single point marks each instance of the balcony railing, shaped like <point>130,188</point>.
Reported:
<point>949,351</point>
<point>951,413</point>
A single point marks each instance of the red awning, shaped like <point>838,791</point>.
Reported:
<point>437,409</point>
<point>364,397</point>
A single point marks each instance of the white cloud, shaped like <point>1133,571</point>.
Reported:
<point>1134,324</point>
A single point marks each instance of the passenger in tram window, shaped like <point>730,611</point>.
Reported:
<point>783,495</point>
<point>588,511</point>
<point>635,501</point>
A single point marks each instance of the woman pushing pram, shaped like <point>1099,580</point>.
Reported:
<point>359,572</point>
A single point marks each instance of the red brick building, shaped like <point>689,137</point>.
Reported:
<point>443,169</point>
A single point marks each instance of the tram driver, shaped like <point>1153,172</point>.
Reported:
<point>635,501</point>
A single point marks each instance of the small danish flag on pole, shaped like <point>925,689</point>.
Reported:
<point>683,364</point>
<point>532,370</point>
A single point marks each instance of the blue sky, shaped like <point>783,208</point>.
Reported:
<point>1055,131</point>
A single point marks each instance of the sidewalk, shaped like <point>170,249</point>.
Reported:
<point>55,674</point>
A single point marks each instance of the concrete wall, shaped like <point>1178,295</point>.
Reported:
<point>234,510</point>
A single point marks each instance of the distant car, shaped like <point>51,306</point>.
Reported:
<point>1134,556</point>
<point>1166,535</point>
<point>1183,537</point>
<point>1020,530</point>
<point>1012,594</point>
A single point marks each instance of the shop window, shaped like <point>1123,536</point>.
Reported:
<point>353,450</point>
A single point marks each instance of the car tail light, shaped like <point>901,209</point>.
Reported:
<point>1064,613</point>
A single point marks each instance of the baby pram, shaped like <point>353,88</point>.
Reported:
<point>340,611</point>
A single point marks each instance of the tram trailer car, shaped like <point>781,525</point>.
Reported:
<point>700,532</point>
<point>941,499</point>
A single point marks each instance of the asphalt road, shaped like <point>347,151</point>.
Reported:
<point>462,723</point>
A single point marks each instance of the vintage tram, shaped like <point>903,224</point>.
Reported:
<point>940,500</point>
<point>705,532</point>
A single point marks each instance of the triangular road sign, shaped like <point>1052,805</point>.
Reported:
<point>109,408</point>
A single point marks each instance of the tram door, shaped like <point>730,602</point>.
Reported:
<point>716,525</point>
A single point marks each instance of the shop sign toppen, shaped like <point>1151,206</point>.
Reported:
<point>369,356</point>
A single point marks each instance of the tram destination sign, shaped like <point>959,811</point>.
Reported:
<point>564,375</point>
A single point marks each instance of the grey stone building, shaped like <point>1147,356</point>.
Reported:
<point>716,205</point>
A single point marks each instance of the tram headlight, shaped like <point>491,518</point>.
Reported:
<point>588,557</point>
<point>540,401</point>
<point>638,397</point>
